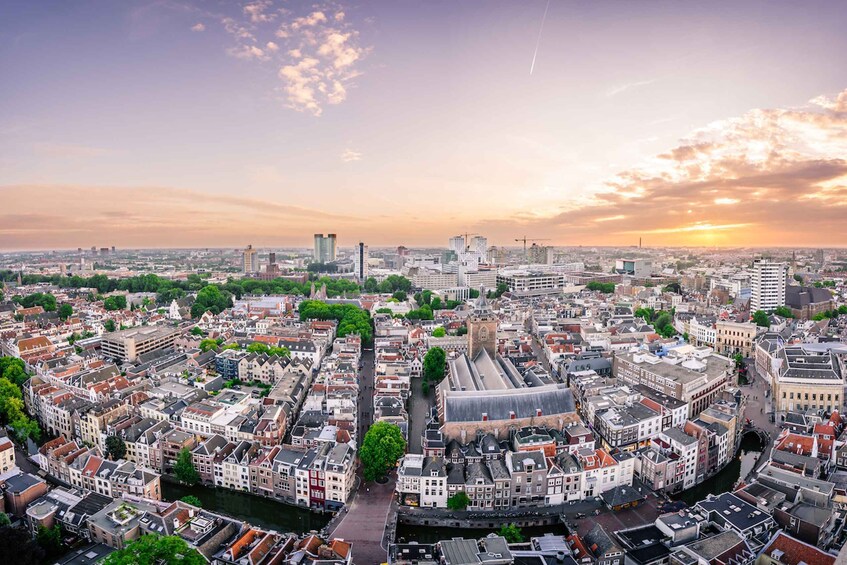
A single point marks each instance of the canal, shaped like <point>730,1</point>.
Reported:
<point>262,512</point>
<point>743,462</point>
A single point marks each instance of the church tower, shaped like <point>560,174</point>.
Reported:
<point>482,328</point>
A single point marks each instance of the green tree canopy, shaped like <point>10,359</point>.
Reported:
<point>46,301</point>
<point>351,319</point>
<point>434,365</point>
<point>512,533</point>
<point>50,540</point>
<point>208,344</point>
<point>783,311</point>
<point>761,318</point>
<point>439,332</point>
<point>210,298</point>
<point>153,549</point>
<point>382,447</point>
<point>192,500</point>
<point>259,347</point>
<point>65,311</point>
<point>458,501</point>
<point>196,330</point>
<point>116,302</point>
<point>184,468</point>
<point>115,447</point>
<point>605,288</point>
<point>109,325</point>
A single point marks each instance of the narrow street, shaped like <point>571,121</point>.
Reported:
<point>418,407</point>
<point>366,394</point>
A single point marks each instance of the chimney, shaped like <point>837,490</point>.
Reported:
<point>538,411</point>
<point>512,415</point>
<point>485,416</point>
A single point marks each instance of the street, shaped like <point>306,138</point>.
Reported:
<point>366,394</point>
<point>418,408</point>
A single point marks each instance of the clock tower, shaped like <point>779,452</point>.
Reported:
<point>482,328</point>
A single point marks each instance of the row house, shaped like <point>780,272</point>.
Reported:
<point>513,480</point>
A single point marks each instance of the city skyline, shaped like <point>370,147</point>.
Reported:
<point>177,124</point>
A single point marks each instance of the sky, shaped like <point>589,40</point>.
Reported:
<point>220,124</point>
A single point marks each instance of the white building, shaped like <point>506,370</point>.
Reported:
<point>768,285</point>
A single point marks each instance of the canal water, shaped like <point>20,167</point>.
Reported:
<point>262,512</point>
<point>743,462</point>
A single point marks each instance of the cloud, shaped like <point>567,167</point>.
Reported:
<point>257,12</point>
<point>349,155</point>
<point>316,52</point>
<point>199,26</point>
<point>249,52</point>
<point>767,177</point>
<point>621,88</point>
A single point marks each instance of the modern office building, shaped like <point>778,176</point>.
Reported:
<point>360,261</point>
<point>127,345</point>
<point>768,285</point>
<point>638,268</point>
<point>324,248</point>
<point>457,244</point>
<point>249,260</point>
<point>479,245</point>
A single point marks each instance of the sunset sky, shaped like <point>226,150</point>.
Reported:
<point>188,124</point>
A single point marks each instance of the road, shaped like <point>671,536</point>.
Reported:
<point>759,407</point>
<point>538,351</point>
<point>366,394</point>
<point>419,407</point>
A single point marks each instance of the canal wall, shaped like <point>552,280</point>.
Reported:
<point>487,522</point>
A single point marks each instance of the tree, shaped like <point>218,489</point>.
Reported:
<point>115,448</point>
<point>153,549</point>
<point>798,278</point>
<point>208,344</point>
<point>50,540</point>
<point>739,360</point>
<point>65,311</point>
<point>16,546</point>
<point>434,364</point>
<point>196,330</point>
<point>511,532</point>
<point>46,301</point>
<point>384,311</point>
<point>4,520</point>
<point>192,500</point>
<point>501,289</point>
<point>673,287</point>
<point>783,311</point>
<point>458,501</point>
<point>439,332</point>
<point>210,298</point>
<point>259,347</point>
<point>761,318</point>
<point>371,285</point>
<point>13,369</point>
<point>109,325</point>
<point>117,302</point>
<point>184,468</point>
<point>605,288</point>
<point>382,448</point>
<point>400,295</point>
<point>463,330</point>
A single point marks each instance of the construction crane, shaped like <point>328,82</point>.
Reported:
<point>524,239</point>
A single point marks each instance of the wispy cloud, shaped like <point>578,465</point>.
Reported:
<point>349,155</point>
<point>316,52</point>
<point>199,26</point>
<point>621,88</point>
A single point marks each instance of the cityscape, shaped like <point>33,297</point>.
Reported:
<point>500,283</point>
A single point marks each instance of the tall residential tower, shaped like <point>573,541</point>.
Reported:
<point>768,285</point>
